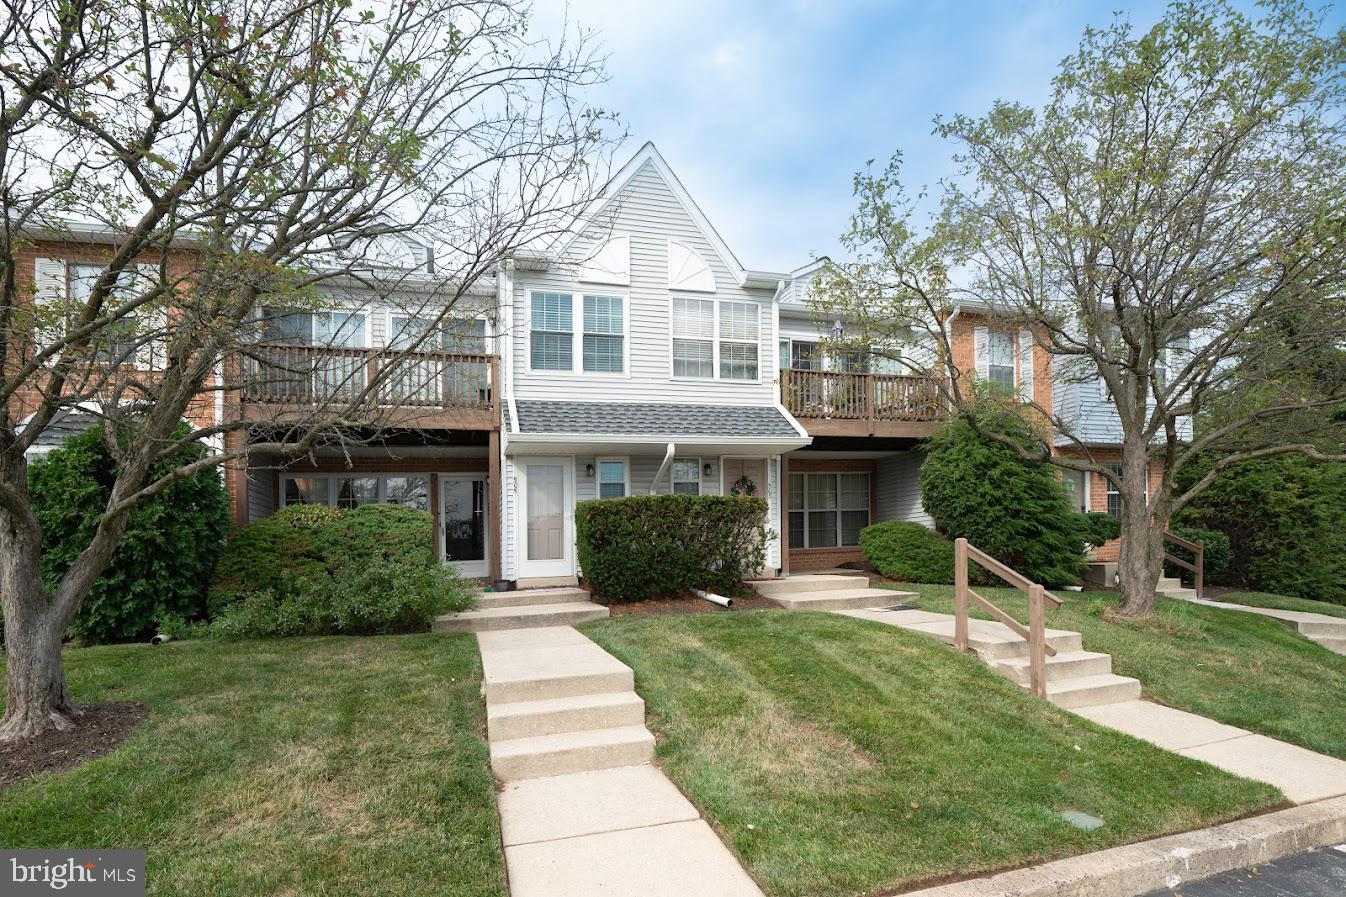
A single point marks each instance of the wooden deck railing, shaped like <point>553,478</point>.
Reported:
<point>307,375</point>
<point>840,395</point>
<point>1198,563</point>
<point>1035,632</point>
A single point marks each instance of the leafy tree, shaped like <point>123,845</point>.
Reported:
<point>1015,510</point>
<point>1171,223</point>
<point>226,157</point>
<point>162,566</point>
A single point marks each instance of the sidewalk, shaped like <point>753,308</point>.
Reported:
<point>580,813</point>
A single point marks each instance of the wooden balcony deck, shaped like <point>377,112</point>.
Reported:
<point>838,403</point>
<point>419,390</point>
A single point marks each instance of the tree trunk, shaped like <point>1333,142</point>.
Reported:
<point>36,697</point>
<point>1142,548</point>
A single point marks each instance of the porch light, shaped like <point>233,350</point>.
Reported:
<point>836,330</point>
<point>706,470</point>
<point>588,470</point>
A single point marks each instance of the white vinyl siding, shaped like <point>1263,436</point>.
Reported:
<point>551,335</point>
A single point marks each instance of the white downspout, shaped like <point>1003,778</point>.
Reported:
<point>663,468</point>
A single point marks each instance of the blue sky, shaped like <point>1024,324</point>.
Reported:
<point>766,109</point>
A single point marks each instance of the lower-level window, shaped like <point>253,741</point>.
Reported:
<point>612,478</point>
<point>409,490</point>
<point>828,510</point>
<point>686,476</point>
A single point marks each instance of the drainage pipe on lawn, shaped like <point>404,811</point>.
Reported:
<point>663,468</point>
<point>713,598</point>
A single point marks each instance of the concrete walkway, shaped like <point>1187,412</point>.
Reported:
<point>1330,632</point>
<point>1302,775</point>
<point>582,811</point>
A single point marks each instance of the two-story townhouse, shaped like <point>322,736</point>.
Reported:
<point>640,358</point>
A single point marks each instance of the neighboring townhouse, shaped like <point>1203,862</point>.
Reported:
<point>638,356</point>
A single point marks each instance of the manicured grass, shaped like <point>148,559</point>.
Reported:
<point>1232,666</point>
<point>1283,602</point>
<point>292,766</point>
<point>840,756</point>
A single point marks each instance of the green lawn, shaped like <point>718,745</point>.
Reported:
<point>298,766</point>
<point>840,756</point>
<point>1283,602</point>
<point>1232,666</point>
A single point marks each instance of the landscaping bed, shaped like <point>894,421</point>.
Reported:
<point>839,756</point>
<point>295,766</point>
<point>1232,666</point>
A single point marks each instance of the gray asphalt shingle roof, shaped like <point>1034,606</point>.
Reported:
<point>652,419</point>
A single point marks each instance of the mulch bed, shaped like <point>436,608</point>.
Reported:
<point>689,605</point>
<point>101,730</point>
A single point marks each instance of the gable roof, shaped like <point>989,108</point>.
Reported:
<point>649,155</point>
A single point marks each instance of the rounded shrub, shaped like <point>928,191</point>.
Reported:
<point>1098,527</point>
<point>161,568</point>
<point>908,552</point>
<point>315,570</point>
<point>655,546</point>
<point>1017,511</point>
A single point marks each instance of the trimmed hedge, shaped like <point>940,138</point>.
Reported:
<point>658,546</point>
<point>1097,527</point>
<point>315,570</point>
<point>908,552</point>
<point>161,568</point>
<point>1016,511</point>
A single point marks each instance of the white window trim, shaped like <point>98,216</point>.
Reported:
<point>342,309</point>
<point>387,313</point>
<point>715,342</point>
<point>381,476</point>
<point>577,333</point>
<point>626,474</point>
<point>672,483</point>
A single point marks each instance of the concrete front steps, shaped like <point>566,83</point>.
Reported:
<point>1172,587</point>
<point>523,609</point>
<point>556,703</point>
<point>1075,677</point>
<point>828,591</point>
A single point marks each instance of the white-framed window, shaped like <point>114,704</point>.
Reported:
<point>1114,494</point>
<point>800,354</point>
<point>466,336</point>
<point>604,343</point>
<point>828,510</point>
<point>693,337</point>
<point>551,338</point>
<point>352,490</point>
<point>739,326</point>
<point>323,328</point>
<point>1000,348</point>
<point>1075,488</point>
<point>119,341</point>
<point>686,474</point>
<point>613,477</point>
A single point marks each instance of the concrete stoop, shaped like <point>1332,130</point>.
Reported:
<point>828,591</point>
<point>523,609</point>
<point>1075,677</point>
<point>582,811</point>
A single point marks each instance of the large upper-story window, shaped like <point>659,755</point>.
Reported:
<point>324,328</point>
<point>464,337</point>
<point>707,334</point>
<point>604,335</point>
<point>118,342</point>
<point>738,340</point>
<point>551,339</point>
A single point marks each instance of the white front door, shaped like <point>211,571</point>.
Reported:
<point>463,522</point>
<point>547,530</point>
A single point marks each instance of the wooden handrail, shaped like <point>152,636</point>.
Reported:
<point>1198,563</point>
<point>1036,630</point>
